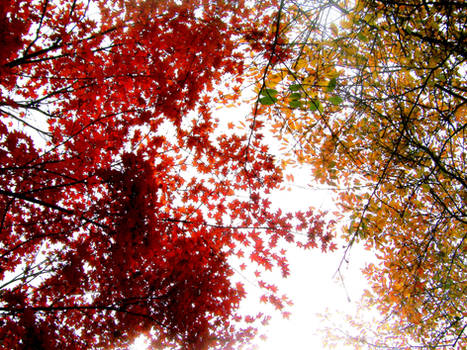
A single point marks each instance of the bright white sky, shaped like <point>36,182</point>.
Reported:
<point>312,284</point>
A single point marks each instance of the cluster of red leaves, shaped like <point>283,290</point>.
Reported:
<point>104,234</point>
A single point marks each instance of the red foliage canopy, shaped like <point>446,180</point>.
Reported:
<point>117,209</point>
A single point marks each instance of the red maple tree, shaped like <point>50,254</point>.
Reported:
<point>118,206</point>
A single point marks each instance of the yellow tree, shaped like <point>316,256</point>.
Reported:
<point>374,99</point>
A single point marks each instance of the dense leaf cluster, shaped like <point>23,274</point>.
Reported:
<point>121,204</point>
<point>374,100</point>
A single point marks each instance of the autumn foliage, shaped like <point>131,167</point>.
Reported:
<point>121,203</point>
<point>373,100</point>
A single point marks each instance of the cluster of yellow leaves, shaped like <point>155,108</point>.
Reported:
<point>375,101</point>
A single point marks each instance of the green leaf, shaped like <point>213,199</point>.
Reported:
<point>331,85</point>
<point>352,222</point>
<point>313,106</point>
<point>316,105</point>
<point>295,96</point>
<point>295,104</point>
<point>362,37</point>
<point>335,100</point>
<point>269,92</point>
<point>267,100</point>
<point>295,87</point>
<point>363,225</point>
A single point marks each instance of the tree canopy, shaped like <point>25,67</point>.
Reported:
<point>121,203</point>
<point>373,98</point>
<point>126,208</point>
